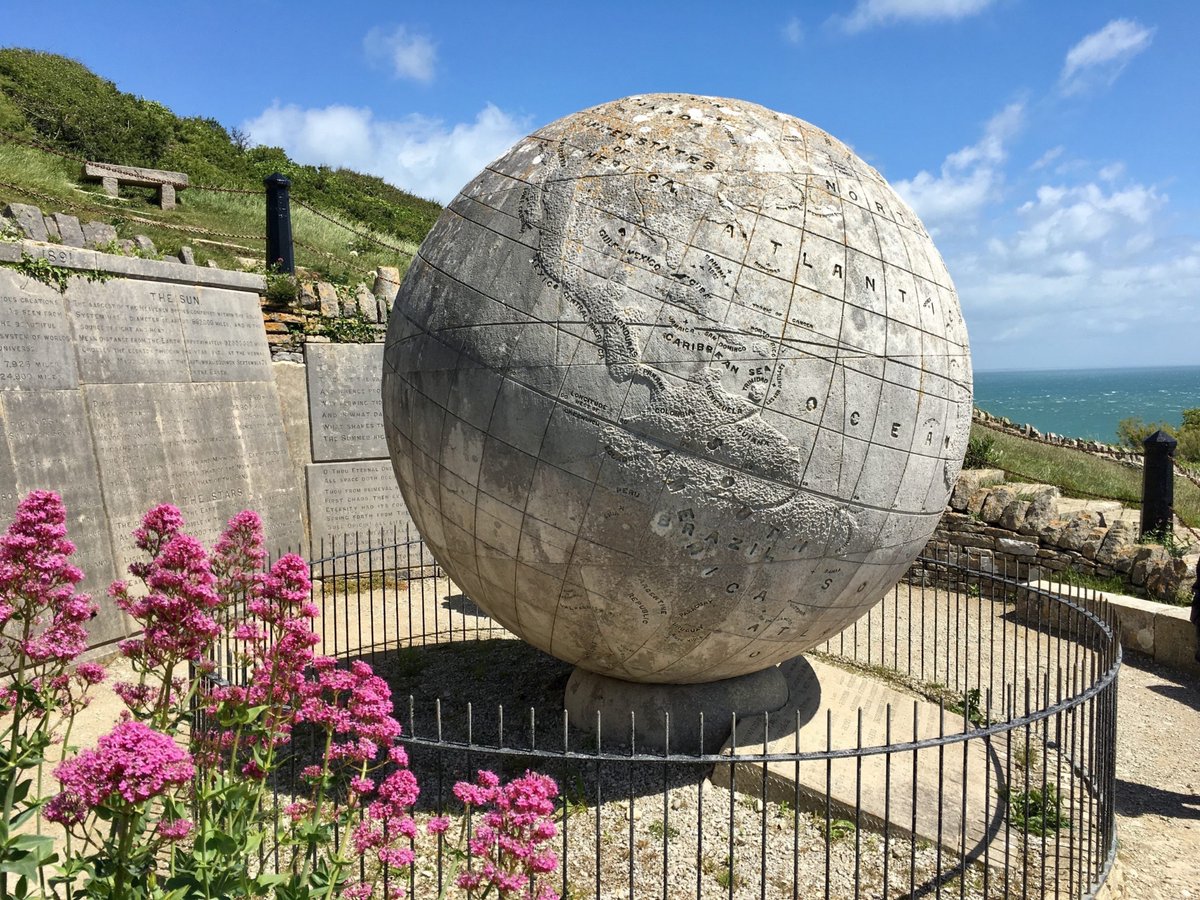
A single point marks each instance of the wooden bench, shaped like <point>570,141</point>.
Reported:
<point>112,177</point>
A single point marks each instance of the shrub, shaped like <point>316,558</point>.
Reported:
<point>982,453</point>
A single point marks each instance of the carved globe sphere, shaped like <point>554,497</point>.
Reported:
<point>677,388</point>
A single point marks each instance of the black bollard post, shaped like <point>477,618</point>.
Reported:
<point>1158,483</point>
<point>279,224</point>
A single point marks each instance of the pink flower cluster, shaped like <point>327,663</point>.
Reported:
<point>238,556</point>
<point>37,584</point>
<point>279,641</point>
<point>354,705</point>
<point>132,762</point>
<point>511,844</point>
<point>176,615</point>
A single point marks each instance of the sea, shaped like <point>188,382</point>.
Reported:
<point>1088,403</point>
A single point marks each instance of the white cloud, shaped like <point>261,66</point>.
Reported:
<point>1048,157</point>
<point>793,31</point>
<point>407,55</point>
<point>1098,59</point>
<point>869,13</point>
<point>1089,274</point>
<point>969,178</point>
<point>419,154</point>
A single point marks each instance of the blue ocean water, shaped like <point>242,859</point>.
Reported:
<point>1088,403</point>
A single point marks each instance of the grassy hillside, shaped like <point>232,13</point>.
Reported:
<point>54,112</point>
<point>1080,474</point>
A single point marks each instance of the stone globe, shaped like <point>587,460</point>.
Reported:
<point>677,388</point>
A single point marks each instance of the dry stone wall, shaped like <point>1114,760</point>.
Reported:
<point>1031,531</point>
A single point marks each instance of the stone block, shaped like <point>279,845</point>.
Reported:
<point>29,219</point>
<point>997,500</point>
<point>186,256</point>
<point>349,497</point>
<point>145,245</point>
<point>365,306</point>
<point>1092,544</point>
<point>69,230</point>
<point>1121,536</point>
<point>976,501</point>
<point>387,283</point>
<point>1015,547</point>
<point>52,233</point>
<point>98,234</point>
<point>1014,515</point>
<point>969,481</point>
<point>345,406</point>
<point>327,300</point>
<point>1040,511</point>
<point>1051,532</point>
<point>307,296</point>
<point>1078,529</point>
<point>1175,639</point>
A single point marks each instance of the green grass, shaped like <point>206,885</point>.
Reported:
<point>1080,474</point>
<point>217,226</point>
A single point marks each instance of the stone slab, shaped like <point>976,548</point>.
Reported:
<point>69,230</point>
<point>35,337</point>
<point>345,408</point>
<point>45,444</point>
<point>349,497</point>
<point>132,266</point>
<point>291,384</point>
<point>29,218</point>
<point>215,448</point>
<point>130,331</point>
<point>825,704</point>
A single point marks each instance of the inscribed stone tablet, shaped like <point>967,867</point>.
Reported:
<point>127,332</point>
<point>45,444</point>
<point>344,406</point>
<point>211,449</point>
<point>224,334</point>
<point>35,339</point>
<point>344,498</point>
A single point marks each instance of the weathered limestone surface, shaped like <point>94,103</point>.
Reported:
<point>344,406</point>
<point>619,404</point>
<point>128,393</point>
<point>349,497</point>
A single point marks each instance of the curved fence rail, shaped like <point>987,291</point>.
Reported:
<point>958,741</point>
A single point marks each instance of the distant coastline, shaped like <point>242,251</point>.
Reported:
<point>1088,403</point>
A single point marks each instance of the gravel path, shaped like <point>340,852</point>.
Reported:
<point>1158,781</point>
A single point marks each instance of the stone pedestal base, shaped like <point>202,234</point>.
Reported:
<point>666,717</point>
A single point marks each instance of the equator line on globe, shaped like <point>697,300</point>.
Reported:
<point>677,388</point>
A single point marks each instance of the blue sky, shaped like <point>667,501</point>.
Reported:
<point>1052,148</point>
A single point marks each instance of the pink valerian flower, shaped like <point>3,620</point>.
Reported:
<point>238,556</point>
<point>353,705</point>
<point>279,639</point>
<point>175,830</point>
<point>132,762</point>
<point>176,615</point>
<point>37,585</point>
<point>510,845</point>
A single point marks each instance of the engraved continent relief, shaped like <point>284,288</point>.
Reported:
<point>727,388</point>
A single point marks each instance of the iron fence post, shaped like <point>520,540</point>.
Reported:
<point>280,257</point>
